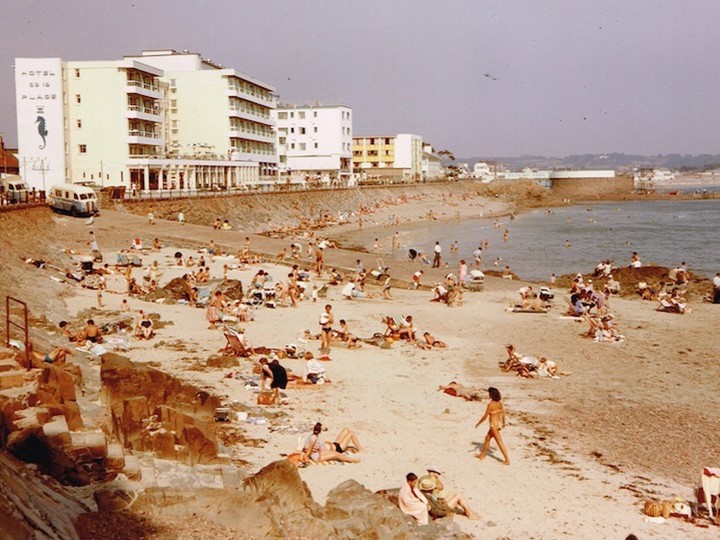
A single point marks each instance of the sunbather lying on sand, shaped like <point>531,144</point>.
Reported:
<point>319,452</point>
<point>460,390</point>
<point>430,342</point>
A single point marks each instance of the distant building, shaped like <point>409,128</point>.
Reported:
<point>315,143</point>
<point>590,184</point>
<point>526,174</point>
<point>8,161</point>
<point>647,179</point>
<point>431,163</point>
<point>160,121</point>
<point>388,156</point>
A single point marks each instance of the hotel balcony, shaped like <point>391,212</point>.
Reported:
<point>237,132</point>
<point>254,155</point>
<point>254,97</point>
<point>143,113</point>
<point>143,89</point>
<point>138,136</point>
<point>236,112</point>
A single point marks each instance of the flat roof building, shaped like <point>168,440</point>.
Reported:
<point>398,155</point>
<point>315,143</point>
<point>131,123</point>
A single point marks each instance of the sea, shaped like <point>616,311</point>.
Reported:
<point>570,239</point>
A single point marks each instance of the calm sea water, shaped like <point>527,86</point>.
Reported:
<point>665,233</point>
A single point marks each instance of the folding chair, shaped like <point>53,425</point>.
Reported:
<point>235,345</point>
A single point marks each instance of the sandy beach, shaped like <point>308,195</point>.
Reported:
<point>633,421</point>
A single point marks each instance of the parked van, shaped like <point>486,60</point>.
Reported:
<point>75,199</point>
<point>14,189</point>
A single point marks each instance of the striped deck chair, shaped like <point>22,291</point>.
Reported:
<point>235,343</point>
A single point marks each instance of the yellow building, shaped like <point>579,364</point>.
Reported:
<point>389,156</point>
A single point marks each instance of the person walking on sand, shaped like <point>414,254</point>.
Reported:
<point>395,242</point>
<point>496,414</point>
<point>437,257</point>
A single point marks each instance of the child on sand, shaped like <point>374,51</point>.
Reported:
<point>496,414</point>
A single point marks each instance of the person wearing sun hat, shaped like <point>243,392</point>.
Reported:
<point>431,483</point>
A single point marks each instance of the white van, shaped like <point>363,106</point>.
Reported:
<point>14,189</point>
<point>75,199</point>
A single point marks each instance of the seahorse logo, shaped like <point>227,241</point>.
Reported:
<point>41,130</point>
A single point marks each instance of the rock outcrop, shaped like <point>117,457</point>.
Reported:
<point>155,412</point>
<point>276,503</point>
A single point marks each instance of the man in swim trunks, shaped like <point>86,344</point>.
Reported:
<point>90,333</point>
<point>56,356</point>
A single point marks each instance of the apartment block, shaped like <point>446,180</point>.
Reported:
<point>131,123</point>
<point>388,156</point>
<point>315,143</point>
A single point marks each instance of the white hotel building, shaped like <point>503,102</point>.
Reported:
<point>315,143</point>
<point>151,123</point>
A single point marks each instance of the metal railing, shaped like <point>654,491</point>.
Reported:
<point>249,112</point>
<point>25,328</point>
<point>140,133</point>
<point>146,110</point>
<point>141,84</point>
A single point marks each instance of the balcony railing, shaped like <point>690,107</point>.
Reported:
<point>251,131</point>
<point>249,111</point>
<point>146,134</point>
<point>146,110</point>
<point>258,95</point>
<point>141,84</point>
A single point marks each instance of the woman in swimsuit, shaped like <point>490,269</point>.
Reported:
<point>496,413</point>
<point>320,452</point>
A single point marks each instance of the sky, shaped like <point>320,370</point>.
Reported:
<point>477,77</point>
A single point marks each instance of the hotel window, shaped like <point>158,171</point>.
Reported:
<point>302,146</point>
<point>282,116</point>
<point>79,123</point>
<point>292,146</point>
<point>302,131</point>
<point>282,140</point>
<point>172,82</point>
<point>301,115</point>
<point>387,141</point>
<point>82,148</point>
<point>292,130</point>
<point>314,114</point>
<point>315,129</point>
<point>77,73</point>
<point>315,146</point>
<point>292,115</point>
<point>78,99</point>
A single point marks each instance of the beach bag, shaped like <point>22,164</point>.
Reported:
<point>266,398</point>
<point>658,509</point>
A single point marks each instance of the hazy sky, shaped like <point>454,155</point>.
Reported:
<point>482,78</point>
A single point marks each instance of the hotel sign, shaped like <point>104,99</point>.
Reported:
<point>41,135</point>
